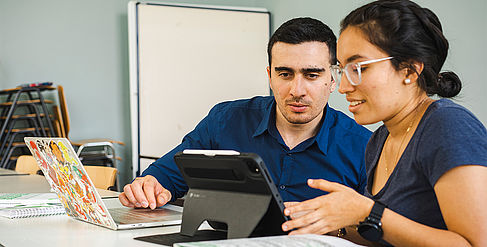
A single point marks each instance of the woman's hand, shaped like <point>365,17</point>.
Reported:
<point>342,207</point>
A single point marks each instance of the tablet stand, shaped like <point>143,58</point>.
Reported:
<point>241,212</point>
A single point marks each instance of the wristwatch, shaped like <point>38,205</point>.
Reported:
<point>371,227</point>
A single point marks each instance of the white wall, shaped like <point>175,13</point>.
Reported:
<point>83,46</point>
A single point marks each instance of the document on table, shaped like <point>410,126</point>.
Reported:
<point>307,240</point>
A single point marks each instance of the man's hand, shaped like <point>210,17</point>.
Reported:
<point>144,192</point>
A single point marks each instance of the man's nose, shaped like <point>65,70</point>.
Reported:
<point>298,86</point>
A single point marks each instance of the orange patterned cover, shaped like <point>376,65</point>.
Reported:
<point>67,177</point>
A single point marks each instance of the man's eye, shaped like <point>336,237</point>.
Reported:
<point>312,76</point>
<point>284,74</point>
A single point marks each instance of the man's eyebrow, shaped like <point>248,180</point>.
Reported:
<point>282,69</point>
<point>312,70</point>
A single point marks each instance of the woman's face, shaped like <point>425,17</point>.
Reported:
<point>382,94</point>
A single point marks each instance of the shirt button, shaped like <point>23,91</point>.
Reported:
<point>282,187</point>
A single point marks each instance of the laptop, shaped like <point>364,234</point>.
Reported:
<point>67,177</point>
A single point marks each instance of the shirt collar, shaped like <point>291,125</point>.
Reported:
<point>321,138</point>
<point>264,124</point>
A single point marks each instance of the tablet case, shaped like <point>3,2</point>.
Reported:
<point>233,189</point>
<point>235,193</point>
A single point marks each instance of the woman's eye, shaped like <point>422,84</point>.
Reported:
<point>354,68</point>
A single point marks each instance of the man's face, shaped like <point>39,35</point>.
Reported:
<point>301,81</point>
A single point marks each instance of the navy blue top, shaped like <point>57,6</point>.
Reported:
<point>336,153</point>
<point>448,136</point>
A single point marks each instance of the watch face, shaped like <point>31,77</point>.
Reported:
<point>370,231</point>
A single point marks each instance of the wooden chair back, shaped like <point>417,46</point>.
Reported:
<point>26,164</point>
<point>59,122</point>
<point>64,110</point>
<point>103,177</point>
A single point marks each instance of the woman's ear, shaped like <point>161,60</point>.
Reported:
<point>412,71</point>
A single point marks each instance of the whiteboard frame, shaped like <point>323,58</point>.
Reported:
<point>134,65</point>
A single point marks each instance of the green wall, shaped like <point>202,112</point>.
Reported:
<point>83,46</point>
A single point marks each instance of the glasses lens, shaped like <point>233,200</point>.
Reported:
<point>336,73</point>
<point>353,73</point>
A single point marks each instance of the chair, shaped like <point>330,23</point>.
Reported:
<point>103,177</point>
<point>104,148</point>
<point>22,113</point>
<point>26,164</point>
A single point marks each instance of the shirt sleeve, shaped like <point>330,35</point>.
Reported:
<point>452,137</point>
<point>165,169</point>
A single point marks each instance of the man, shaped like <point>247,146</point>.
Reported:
<point>295,132</point>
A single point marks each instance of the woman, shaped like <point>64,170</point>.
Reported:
<point>426,166</point>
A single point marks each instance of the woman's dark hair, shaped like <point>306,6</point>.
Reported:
<point>409,33</point>
<point>304,29</point>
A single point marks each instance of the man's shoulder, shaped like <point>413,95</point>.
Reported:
<point>348,124</point>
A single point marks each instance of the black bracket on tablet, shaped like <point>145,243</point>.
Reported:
<point>211,205</point>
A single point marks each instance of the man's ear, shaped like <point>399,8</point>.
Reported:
<point>269,74</point>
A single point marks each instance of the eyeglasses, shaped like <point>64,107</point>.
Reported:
<point>352,70</point>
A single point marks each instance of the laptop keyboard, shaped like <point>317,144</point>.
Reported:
<point>129,216</point>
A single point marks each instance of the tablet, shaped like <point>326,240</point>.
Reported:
<point>228,186</point>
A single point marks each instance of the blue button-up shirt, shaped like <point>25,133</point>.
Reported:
<point>336,153</point>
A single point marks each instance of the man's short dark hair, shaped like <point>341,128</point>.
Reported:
<point>304,29</point>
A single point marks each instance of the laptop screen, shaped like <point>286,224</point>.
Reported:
<point>67,177</point>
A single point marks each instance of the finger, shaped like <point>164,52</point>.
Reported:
<point>308,205</point>
<point>324,185</point>
<point>149,191</point>
<point>138,191</point>
<point>289,204</point>
<point>123,199</point>
<point>303,221</point>
<point>318,227</point>
<point>163,196</point>
<point>130,195</point>
<point>300,214</point>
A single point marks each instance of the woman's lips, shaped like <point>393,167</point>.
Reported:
<point>355,105</point>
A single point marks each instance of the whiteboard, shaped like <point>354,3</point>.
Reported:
<point>184,59</point>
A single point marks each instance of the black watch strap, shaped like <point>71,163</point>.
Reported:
<point>371,227</point>
<point>377,211</point>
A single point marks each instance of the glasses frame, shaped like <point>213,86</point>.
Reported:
<point>335,69</point>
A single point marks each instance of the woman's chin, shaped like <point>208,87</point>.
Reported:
<point>363,120</point>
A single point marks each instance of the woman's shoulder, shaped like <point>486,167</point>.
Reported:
<point>444,114</point>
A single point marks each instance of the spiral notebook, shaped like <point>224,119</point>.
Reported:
<point>32,210</point>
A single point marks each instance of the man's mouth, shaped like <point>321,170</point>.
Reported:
<point>297,107</point>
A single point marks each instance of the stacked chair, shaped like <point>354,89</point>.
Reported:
<point>99,152</point>
<point>23,112</point>
<point>97,155</point>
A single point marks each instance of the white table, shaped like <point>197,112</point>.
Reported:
<point>7,172</point>
<point>62,230</point>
